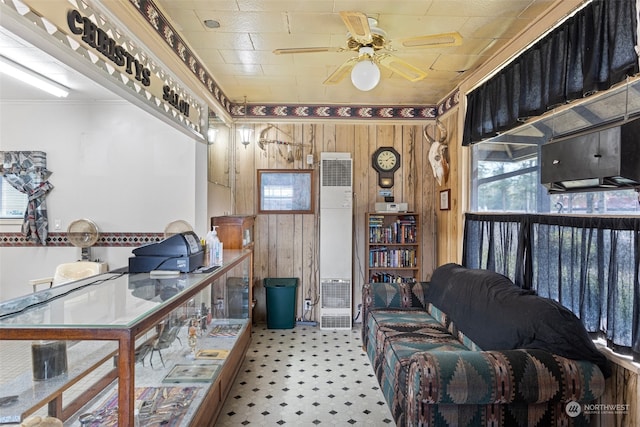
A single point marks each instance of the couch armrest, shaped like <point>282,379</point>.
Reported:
<point>507,376</point>
<point>380,295</point>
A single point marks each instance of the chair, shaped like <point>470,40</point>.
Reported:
<point>166,337</point>
<point>69,272</point>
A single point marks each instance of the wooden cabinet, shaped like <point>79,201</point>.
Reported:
<point>235,231</point>
<point>125,335</point>
<point>393,247</point>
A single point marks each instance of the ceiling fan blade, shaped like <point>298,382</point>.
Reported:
<point>433,40</point>
<point>308,50</point>
<point>358,25</point>
<point>400,67</point>
<point>341,72</point>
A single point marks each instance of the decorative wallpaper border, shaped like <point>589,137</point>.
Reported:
<point>152,14</point>
<point>59,239</point>
<point>156,19</point>
<point>334,112</point>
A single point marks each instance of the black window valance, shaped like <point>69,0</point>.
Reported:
<point>589,52</point>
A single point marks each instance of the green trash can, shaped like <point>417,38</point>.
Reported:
<point>281,302</point>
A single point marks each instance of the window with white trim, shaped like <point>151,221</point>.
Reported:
<point>12,202</point>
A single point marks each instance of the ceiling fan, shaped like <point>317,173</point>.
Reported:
<point>365,37</point>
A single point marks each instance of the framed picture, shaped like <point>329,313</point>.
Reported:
<point>191,373</point>
<point>212,354</point>
<point>285,191</point>
<point>445,200</point>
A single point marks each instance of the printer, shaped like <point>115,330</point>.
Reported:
<point>181,252</point>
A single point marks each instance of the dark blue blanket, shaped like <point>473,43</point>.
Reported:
<point>497,315</point>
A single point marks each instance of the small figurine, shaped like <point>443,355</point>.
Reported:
<point>204,318</point>
<point>193,339</point>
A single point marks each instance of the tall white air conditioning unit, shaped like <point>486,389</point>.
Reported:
<point>336,241</point>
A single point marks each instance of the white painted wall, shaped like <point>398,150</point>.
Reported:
<point>112,163</point>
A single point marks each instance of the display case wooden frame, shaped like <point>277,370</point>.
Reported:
<point>297,197</point>
<point>124,333</point>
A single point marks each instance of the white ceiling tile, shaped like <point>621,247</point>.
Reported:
<point>251,29</point>
<point>239,55</point>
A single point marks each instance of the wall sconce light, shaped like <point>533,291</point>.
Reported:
<point>212,133</point>
<point>26,75</point>
<point>245,135</point>
<point>365,75</point>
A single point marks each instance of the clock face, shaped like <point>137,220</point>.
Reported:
<point>386,160</point>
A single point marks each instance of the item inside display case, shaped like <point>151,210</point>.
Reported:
<point>191,373</point>
<point>49,359</point>
<point>165,406</point>
<point>211,354</point>
<point>225,330</point>
<point>169,331</point>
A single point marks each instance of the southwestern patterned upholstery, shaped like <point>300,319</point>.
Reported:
<point>432,374</point>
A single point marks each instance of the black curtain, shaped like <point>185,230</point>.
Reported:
<point>590,265</point>
<point>589,52</point>
<point>494,242</point>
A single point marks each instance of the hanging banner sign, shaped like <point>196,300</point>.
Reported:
<point>99,40</point>
<point>104,45</point>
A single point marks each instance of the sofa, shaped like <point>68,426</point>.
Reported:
<point>469,348</point>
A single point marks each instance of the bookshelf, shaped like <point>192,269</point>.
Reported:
<point>393,247</point>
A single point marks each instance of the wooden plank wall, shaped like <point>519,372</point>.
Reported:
<point>449,222</point>
<point>621,388</point>
<point>287,245</point>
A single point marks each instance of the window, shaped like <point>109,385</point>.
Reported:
<point>575,248</point>
<point>506,179</point>
<point>586,263</point>
<point>285,191</point>
<point>12,202</point>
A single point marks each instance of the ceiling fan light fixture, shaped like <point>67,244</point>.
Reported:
<point>365,75</point>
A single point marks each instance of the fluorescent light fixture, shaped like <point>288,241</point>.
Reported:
<point>17,71</point>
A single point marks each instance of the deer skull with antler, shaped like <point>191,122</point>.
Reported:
<point>437,152</point>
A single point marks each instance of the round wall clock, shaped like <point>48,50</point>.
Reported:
<point>385,160</point>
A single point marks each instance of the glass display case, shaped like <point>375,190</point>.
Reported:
<point>121,349</point>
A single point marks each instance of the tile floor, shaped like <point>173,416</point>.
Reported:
<point>305,376</point>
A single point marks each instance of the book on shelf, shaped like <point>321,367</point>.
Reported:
<point>383,277</point>
<point>402,231</point>
<point>381,257</point>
